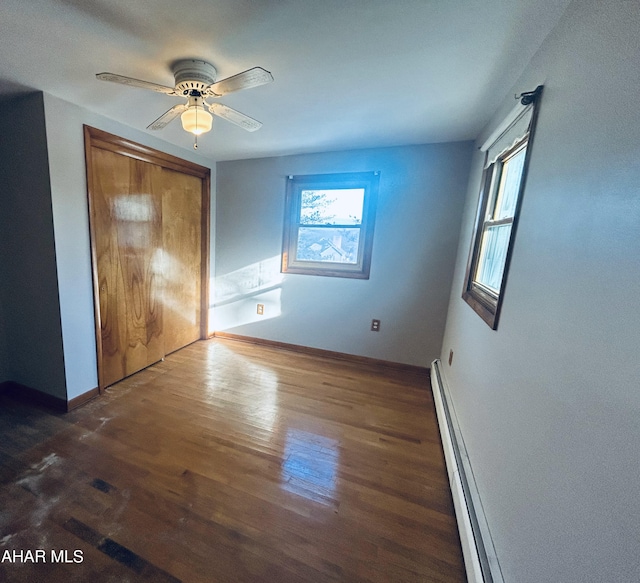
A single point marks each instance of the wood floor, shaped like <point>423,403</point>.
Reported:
<point>230,462</point>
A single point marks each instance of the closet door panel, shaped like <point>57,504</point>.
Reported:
<point>182,258</point>
<point>139,227</point>
<point>127,232</point>
<point>111,175</point>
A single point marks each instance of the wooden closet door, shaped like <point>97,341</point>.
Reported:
<point>149,223</point>
<point>182,263</point>
<point>127,231</point>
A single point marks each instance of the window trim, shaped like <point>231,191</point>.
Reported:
<point>369,181</point>
<point>480,298</point>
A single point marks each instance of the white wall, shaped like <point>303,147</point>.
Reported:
<point>65,141</point>
<point>419,210</point>
<point>549,404</point>
<point>28,285</point>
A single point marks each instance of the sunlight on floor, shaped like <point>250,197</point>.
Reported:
<point>310,466</point>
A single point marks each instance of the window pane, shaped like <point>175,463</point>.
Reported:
<point>326,244</point>
<point>493,253</point>
<point>509,185</point>
<point>331,207</point>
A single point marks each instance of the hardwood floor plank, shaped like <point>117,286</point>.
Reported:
<point>233,462</point>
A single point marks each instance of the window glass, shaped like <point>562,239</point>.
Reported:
<point>329,245</point>
<point>493,255</point>
<point>509,185</point>
<point>332,207</point>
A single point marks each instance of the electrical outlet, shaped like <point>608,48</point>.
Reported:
<point>450,357</point>
<point>260,309</point>
<point>375,325</point>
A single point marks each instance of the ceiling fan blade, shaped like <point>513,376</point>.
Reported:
<point>240,119</point>
<point>113,78</point>
<point>245,80</point>
<point>168,116</point>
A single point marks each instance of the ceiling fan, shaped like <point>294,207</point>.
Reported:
<point>195,80</point>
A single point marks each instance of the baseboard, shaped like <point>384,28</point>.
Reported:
<point>481,562</point>
<point>28,395</point>
<point>398,366</point>
<point>83,399</point>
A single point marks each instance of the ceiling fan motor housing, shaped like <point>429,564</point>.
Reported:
<point>193,75</point>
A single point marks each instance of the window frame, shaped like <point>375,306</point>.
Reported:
<point>369,181</point>
<point>482,299</point>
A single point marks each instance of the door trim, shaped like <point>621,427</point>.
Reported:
<point>95,138</point>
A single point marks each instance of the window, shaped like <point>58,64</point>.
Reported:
<point>506,161</point>
<point>328,226</point>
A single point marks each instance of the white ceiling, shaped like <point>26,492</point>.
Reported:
<point>348,73</point>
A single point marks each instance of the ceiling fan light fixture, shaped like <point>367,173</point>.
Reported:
<point>196,120</point>
<point>195,80</point>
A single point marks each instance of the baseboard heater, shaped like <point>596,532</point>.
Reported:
<point>481,563</point>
